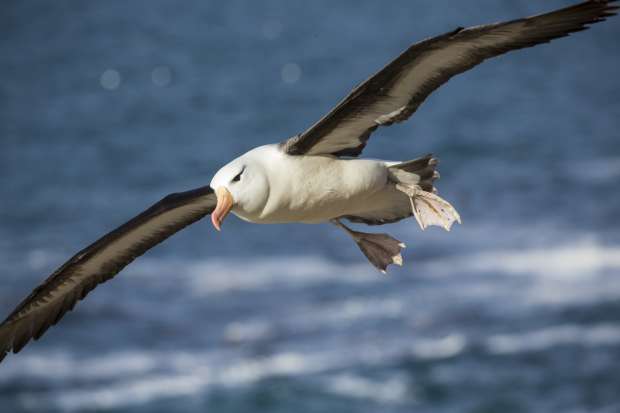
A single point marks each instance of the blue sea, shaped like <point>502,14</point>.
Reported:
<point>105,107</point>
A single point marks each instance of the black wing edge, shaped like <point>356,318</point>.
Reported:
<point>18,329</point>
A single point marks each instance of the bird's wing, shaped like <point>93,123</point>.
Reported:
<point>99,262</point>
<point>395,92</point>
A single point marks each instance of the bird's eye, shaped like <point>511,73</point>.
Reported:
<point>238,177</point>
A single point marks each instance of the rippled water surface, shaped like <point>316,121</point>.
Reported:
<point>107,106</point>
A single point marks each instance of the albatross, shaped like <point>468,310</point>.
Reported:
<point>315,176</point>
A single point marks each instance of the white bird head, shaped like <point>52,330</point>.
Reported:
<point>241,186</point>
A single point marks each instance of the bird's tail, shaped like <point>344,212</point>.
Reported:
<point>415,179</point>
<point>421,172</point>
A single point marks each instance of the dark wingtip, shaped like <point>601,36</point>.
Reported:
<point>456,31</point>
<point>6,341</point>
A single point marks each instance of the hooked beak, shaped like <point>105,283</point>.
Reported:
<point>224,205</point>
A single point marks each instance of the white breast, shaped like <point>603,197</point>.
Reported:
<point>312,189</point>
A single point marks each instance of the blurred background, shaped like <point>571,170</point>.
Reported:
<point>105,107</point>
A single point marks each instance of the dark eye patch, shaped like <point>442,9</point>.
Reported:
<point>238,177</point>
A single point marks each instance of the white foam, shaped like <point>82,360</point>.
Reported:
<point>62,366</point>
<point>431,349</point>
<point>130,378</point>
<point>310,317</point>
<point>580,272</point>
<point>543,339</point>
<point>238,332</point>
<point>279,364</point>
<point>393,390</point>
<point>575,260</point>
<point>126,393</point>
<point>186,374</point>
<point>348,311</point>
<point>191,379</point>
<point>219,275</point>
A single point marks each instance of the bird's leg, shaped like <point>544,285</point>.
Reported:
<point>430,209</point>
<point>380,249</point>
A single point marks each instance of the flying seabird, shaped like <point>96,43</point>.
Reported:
<point>312,177</point>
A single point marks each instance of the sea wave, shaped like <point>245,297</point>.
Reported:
<point>579,272</point>
<point>543,339</point>
<point>159,376</point>
<point>566,273</point>
<point>222,275</point>
<point>581,259</point>
<point>392,390</point>
<point>128,378</point>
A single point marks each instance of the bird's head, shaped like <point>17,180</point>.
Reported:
<point>240,186</point>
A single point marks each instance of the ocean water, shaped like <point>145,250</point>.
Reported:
<point>105,107</point>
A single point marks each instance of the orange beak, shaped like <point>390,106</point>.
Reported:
<point>224,205</point>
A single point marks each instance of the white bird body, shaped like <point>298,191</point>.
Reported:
<point>306,189</point>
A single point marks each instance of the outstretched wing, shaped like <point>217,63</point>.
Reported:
<point>99,262</point>
<point>396,91</point>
